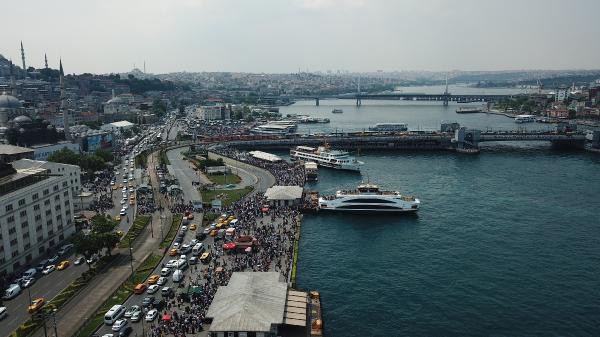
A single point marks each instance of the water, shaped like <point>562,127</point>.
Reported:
<point>507,243</point>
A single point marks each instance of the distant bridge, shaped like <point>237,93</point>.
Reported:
<point>444,98</point>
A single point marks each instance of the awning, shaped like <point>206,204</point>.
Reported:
<point>166,317</point>
<point>230,245</point>
<point>248,250</point>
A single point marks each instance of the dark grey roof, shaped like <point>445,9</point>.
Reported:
<point>9,102</point>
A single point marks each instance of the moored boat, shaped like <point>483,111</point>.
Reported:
<point>369,198</point>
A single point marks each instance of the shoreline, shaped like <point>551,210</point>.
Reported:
<point>579,122</point>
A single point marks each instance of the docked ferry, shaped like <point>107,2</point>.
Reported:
<point>468,110</point>
<point>525,119</point>
<point>369,198</point>
<point>323,156</point>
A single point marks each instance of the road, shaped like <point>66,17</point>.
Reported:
<point>184,174</point>
<point>49,286</point>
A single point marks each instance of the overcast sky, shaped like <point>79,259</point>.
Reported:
<point>283,36</point>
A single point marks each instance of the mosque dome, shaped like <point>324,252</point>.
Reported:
<point>22,119</point>
<point>9,102</point>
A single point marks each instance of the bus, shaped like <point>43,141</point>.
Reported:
<point>114,314</point>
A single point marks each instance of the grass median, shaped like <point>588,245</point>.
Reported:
<point>138,226</point>
<point>175,224</point>
<point>227,197</point>
<point>224,179</point>
<point>121,294</point>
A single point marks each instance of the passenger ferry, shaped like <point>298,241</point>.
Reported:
<point>369,198</point>
<point>468,110</point>
<point>323,156</point>
<point>525,119</point>
<point>389,127</point>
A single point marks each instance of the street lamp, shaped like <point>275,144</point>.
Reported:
<point>54,319</point>
<point>131,259</point>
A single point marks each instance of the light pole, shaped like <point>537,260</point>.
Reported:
<point>131,259</point>
<point>54,320</point>
<point>162,218</point>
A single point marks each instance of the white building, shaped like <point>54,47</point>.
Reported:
<point>561,95</point>
<point>42,151</point>
<point>117,126</point>
<point>212,112</point>
<point>36,210</point>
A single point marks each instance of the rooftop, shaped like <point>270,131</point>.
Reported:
<point>284,193</point>
<point>252,301</point>
<point>265,156</point>
<point>12,149</point>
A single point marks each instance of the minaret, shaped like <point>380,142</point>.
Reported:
<point>13,82</point>
<point>46,60</point>
<point>62,102</point>
<point>23,57</point>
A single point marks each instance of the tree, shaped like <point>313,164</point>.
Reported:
<point>158,107</point>
<point>65,156</point>
<point>104,154</point>
<point>86,245</point>
<point>102,224</point>
<point>108,240</point>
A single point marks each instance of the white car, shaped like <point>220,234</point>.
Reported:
<point>171,264</point>
<point>162,281</point>
<point>2,312</point>
<point>132,310</point>
<point>183,228</point>
<point>151,315</point>
<point>112,183</point>
<point>152,289</point>
<point>123,212</point>
<point>119,324</point>
<point>193,242</point>
<point>165,272</point>
<point>136,316</point>
<point>122,201</point>
<point>49,269</point>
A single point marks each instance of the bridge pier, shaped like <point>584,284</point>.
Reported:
<point>317,101</point>
<point>466,141</point>
<point>358,102</point>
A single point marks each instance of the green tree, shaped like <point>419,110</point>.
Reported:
<point>159,108</point>
<point>104,154</point>
<point>64,156</point>
<point>86,245</point>
<point>102,224</point>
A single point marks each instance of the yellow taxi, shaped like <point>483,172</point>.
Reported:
<point>36,305</point>
<point>213,233</point>
<point>131,202</point>
<point>130,185</point>
<point>153,279</point>
<point>63,265</point>
<point>193,227</point>
<point>115,187</point>
<point>205,257</point>
<point>173,252</point>
<point>118,218</point>
<point>120,233</point>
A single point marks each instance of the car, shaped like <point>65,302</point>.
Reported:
<point>49,268</point>
<point>193,260</point>
<point>3,312</point>
<point>131,202</point>
<point>125,206</point>
<point>65,249</point>
<point>117,218</point>
<point>151,315</point>
<point>112,183</point>
<point>200,236</point>
<point>41,265</point>
<point>148,301</point>
<point>173,252</point>
<point>206,230</point>
<point>123,212</point>
<point>53,259</point>
<point>136,316</point>
<point>153,279</point>
<point>120,233</point>
<point>28,282</point>
<point>79,260</point>
<point>132,310</point>
<point>119,324</point>
<point>152,289</point>
<point>92,259</point>
<point>184,228</point>
<point>162,281</point>
<point>213,233</point>
<point>171,264</point>
<point>122,201</point>
<point>193,242</point>
<point>36,305</point>
<point>126,332</point>
<point>165,272</point>
<point>115,188</point>
<point>140,288</point>
<point>185,249</point>
<point>166,291</point>
<point>62,265</point>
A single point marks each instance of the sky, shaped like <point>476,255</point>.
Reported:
<point>283,36</point>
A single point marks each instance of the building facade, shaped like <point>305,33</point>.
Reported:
<point>213,112</point>
<point>36,210</point>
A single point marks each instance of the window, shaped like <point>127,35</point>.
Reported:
<point>67,202</point>
<point>26,235</point>
<point>23,213</point>
<point>38,217</point>
<point>36,207</point>
<point>57,197</point>
<point>9,207</point>
<point>48,212</point>
<point>66,193</point>
<point>40,238</point>
<point>34,196</point>
<point>10,219</point>
<point>57,207</point>
<point>61,237</point>
<point>50,232</point>
<point>55,188</point>
<point>15,253</point>
<point>13,242</point>
<point>24,224</point>
<point>64,184</point>
<point>46,192</point>
<point>38,228</point>
<point>21,202</point>
<point>47,202</point>
<point>60,227</point>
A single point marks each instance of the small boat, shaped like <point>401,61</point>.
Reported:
<point>337,111</point>
<point>468,110</point>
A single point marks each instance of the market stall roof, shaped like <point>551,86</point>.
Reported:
<point>284,192</point>
<point>265,156</point>
<point>252,301</point>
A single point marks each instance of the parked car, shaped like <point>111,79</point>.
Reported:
<point>165,272</point>
<point>63,265</point>
<point>148,301</point>
<point>119,324</point>
<point>79,260</point>
<point>162,281</point>
<point>3,312</point>
<point>152,289</point>
<point>129,312</point>
<point>53,259</point>
<point>126,332</point>
<point>28,282</point>
<point>48,269</point>
<point>136,316</point>
<point>153,279</point>
<point>151,315</point>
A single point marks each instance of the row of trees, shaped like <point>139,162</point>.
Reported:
<point>88,162</point>
<point>101,237</point>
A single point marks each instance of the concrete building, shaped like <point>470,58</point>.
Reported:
<point>36,203</point>
<point>10,153</point>
<point>212,112</point>
<point>257,304</point>
<point>42,151</point>
<point>117,126</point>
<point>284,195</point>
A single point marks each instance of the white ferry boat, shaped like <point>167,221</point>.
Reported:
<point>369,198</point>
<point>323,156</point>
<point>388,127</point>
<point>525,119</point>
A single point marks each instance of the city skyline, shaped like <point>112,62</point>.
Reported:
<point>315,35</point>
